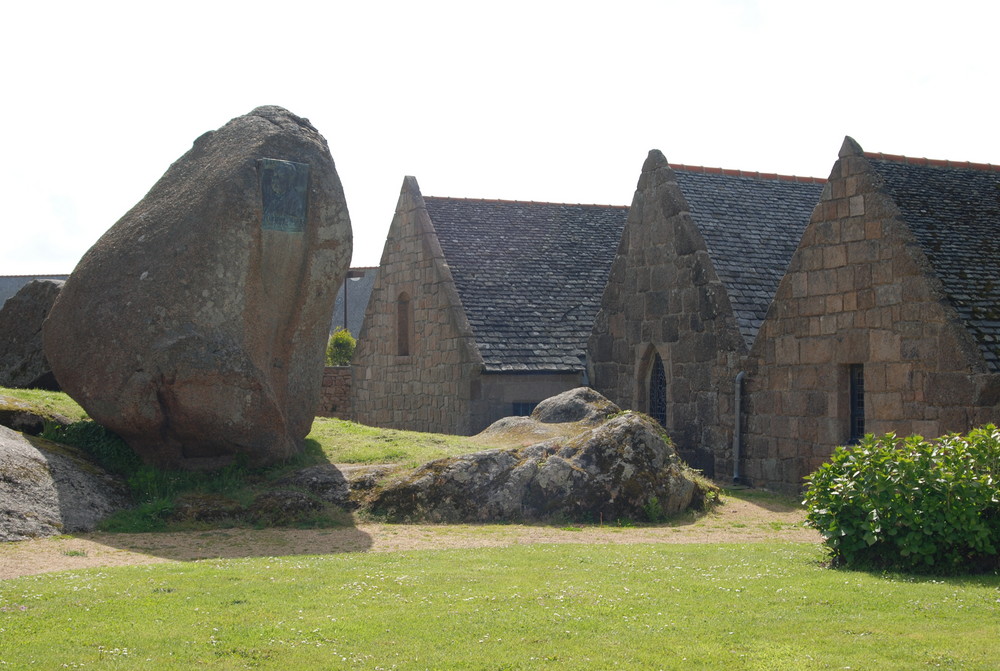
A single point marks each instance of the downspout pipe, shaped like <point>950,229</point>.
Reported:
<point>737,416</point>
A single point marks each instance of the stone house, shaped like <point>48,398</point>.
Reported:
<point>699,261</point>
<point>887,320</point>
<point>480,309</point>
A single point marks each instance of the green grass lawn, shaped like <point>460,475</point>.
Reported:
<point>713,606</point>
<point>345,442</point>
<point>45,402</point>
<point>333,440</point>
<point>755,606</point>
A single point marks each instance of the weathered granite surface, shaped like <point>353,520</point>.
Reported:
<point>48,489</point>
<point>22,360</point>
<point>195,327</point>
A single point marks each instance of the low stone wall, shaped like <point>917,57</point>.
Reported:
<point>335,397</point>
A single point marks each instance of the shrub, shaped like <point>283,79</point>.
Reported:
<point>340,348</point>
<point>911,504</point>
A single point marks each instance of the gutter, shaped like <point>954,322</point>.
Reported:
<point>737,416</point>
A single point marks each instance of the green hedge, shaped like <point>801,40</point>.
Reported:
<point>911,504</point>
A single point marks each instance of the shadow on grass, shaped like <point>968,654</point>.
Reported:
<point>237,543</point>
<point>233,512</point>
<point>777,503</point>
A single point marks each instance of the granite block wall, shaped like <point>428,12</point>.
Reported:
<point>335,395</point>
<point>428,384</point>
<point>857,292</point>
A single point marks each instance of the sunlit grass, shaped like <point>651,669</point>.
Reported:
<point>346,442</point>
<point>339,441</point>
<point>45,402</point>
<point>757,606</point>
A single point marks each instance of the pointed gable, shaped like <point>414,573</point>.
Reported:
<point>529,275</point>
<point>953,211</point>
<point>751,224</point>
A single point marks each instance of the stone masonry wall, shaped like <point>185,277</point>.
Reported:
<point>335,395</point>
<point>663,296</point>
<point>858,291</point>
<point>431,385</point>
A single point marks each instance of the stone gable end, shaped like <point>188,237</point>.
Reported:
<point>859,291</point>
<point>424,378</point>
<point>664,297</point>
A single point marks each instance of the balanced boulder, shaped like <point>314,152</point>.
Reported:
<point>22,359</point>
<point>195,327</point>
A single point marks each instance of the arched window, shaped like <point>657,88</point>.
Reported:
<point>658,391</point>
<point>404,324</point>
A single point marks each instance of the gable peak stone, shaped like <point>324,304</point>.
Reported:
<point>850,147</point>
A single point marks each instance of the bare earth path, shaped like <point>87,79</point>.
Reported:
<point>737,520</point>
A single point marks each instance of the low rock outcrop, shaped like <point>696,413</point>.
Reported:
<point>582,404</point>
<point>22,361</point>
<point>617,466</point>
<point>48,489</point>
<point>324,481</point>
<point>25,418</point>
<point>195,327</point>
<point>562,416</point>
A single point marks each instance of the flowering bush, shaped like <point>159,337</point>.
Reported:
<point>911,504</point>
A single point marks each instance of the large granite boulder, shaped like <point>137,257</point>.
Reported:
<point>48,489</point>
<point>22,360</point>
<point>195,327</point>
<point>622,468</point>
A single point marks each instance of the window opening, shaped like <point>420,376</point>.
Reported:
<point>857,402</point>
<point>523,408</point>
<point>658,392</point>
<point>403,325</point>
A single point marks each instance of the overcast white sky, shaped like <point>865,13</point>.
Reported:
<point>540,100</point>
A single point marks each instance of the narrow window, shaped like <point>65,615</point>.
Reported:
<point>658,392</point>
<point>523,409</point>
<point>857,402</point>
<point>403,324</point>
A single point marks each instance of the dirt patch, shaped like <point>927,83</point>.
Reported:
<point>737,520</point>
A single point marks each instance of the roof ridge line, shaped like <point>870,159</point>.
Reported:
<point>746,173</point>
<point>522,202</point>
<point>939,163</point>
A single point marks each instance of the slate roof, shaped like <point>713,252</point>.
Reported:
<point>359,290</point>
<point>751,224</point>
<point>530,276</point>
<point>954,213</point>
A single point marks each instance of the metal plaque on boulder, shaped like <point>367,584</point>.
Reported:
<point>284,188</point>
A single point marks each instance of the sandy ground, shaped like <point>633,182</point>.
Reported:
<point>736,520</point>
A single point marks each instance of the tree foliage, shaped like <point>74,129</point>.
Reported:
<point>340,348</point>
